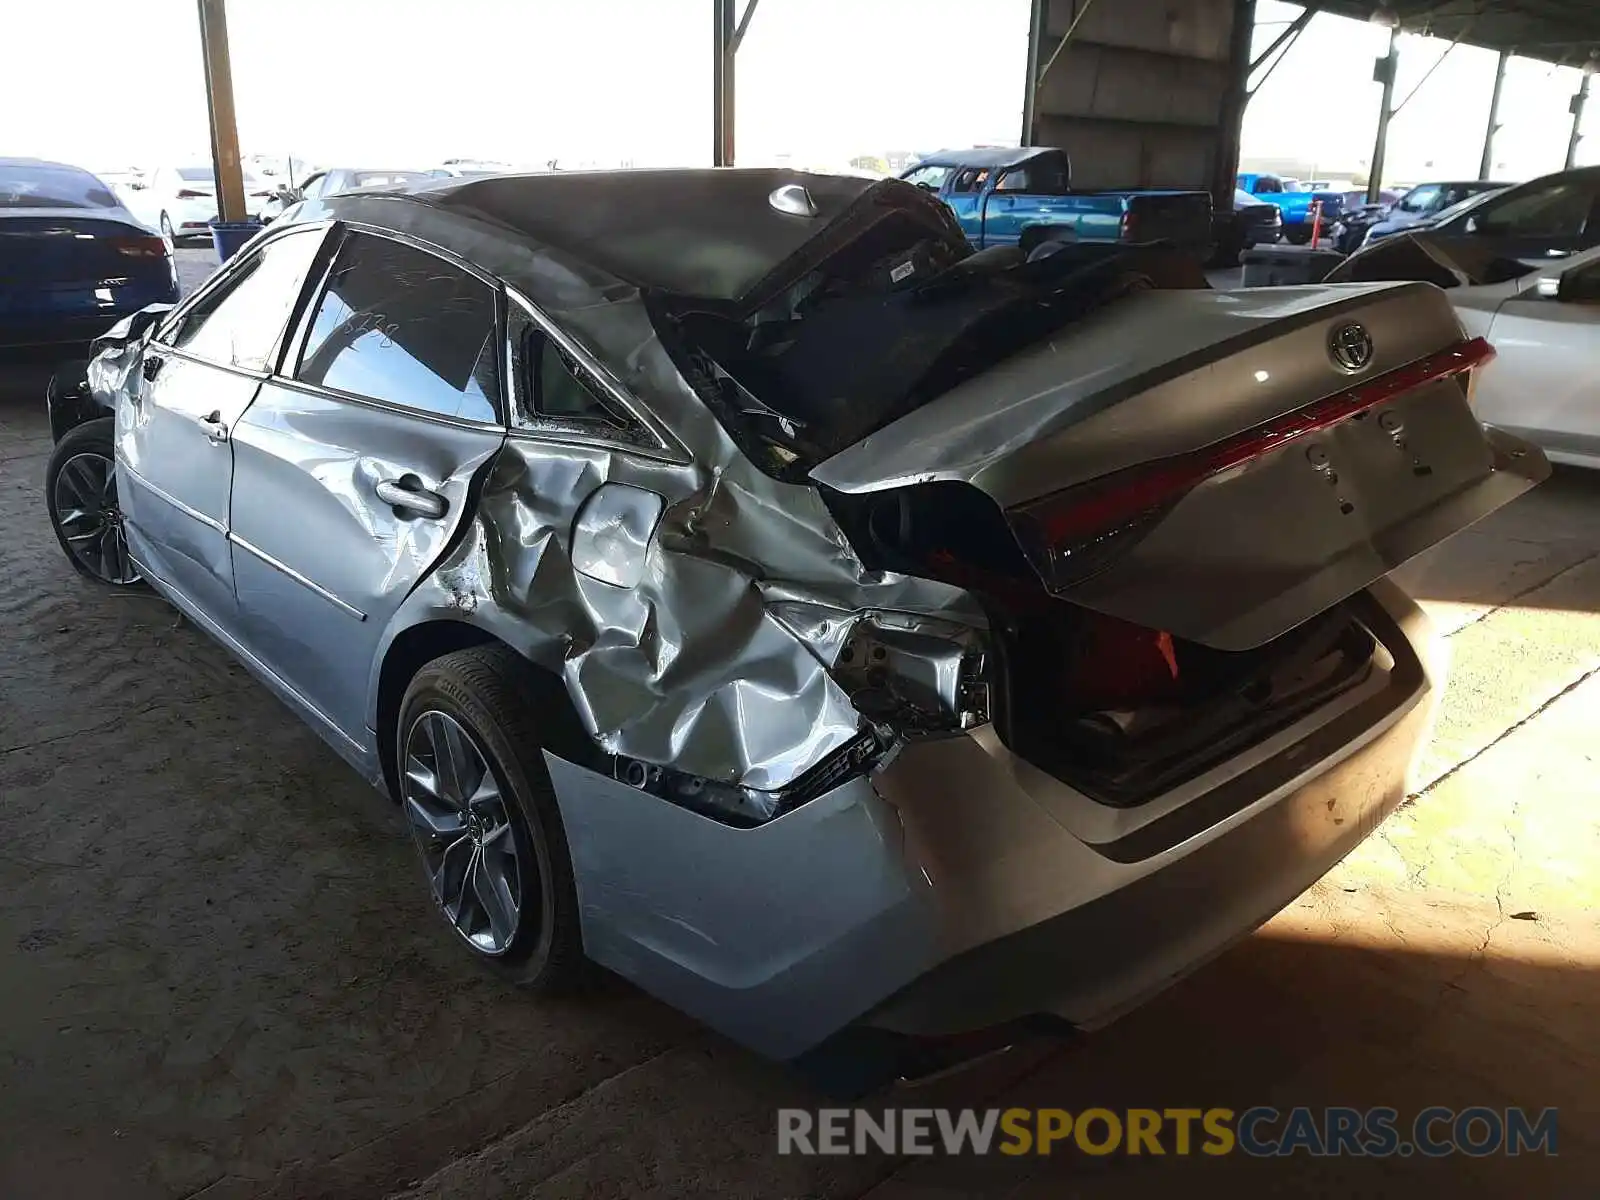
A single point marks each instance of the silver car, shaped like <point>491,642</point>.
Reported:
<point>740,584</point>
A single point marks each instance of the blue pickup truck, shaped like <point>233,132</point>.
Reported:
<point>1018,196</point>
<point>1294,203</point>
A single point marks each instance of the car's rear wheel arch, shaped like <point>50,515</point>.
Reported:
<point>415,647</point>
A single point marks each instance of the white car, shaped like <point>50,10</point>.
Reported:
<point>182,201</point>
<point>1545,325</point>
<point>1541,313</point>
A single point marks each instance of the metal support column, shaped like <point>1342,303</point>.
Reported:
<point>1230,121</point>
<point>1037,12</point>
<point>1577,106</point>
<point>219,106</point>
<point>722,83</point>
<point>1384,70</point>
<point>1486,163</point>
<point>728,35</point>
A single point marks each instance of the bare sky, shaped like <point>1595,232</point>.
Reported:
<point>113,83</point>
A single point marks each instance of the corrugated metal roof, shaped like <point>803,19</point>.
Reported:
<point>1556,30</point>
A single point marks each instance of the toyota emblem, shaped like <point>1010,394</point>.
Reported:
<point>1350,347</point>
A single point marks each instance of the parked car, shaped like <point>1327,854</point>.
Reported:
<point>1542,316</point>
<point>467,168</point>
<point>1547,217</point>
<point>1421,204</point>
<point>740,583</point>
<point>1357,214</point>
<point>999,195</point>
<point>182,201</point>
<point>335,180</point>
<point>1294,203</point>
<point>1251,223</point>
<point>73,260</point>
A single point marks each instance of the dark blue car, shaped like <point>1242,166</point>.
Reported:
<point>73,260</point>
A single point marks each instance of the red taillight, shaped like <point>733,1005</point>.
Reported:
<point>191,194</point>
<point>1129,225</point>
<point>1071,534</point>
<point>139,247</point>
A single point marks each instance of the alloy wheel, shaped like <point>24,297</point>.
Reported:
<point>90,520</point>
<point>460,823</point>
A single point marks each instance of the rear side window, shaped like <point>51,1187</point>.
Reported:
<point>557,394</point>
<point>239,323</point>
<point>970,179</point>
<point>400,325</point>
<point>44,185</point>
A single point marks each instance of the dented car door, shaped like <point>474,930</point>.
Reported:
<point>355,462</point>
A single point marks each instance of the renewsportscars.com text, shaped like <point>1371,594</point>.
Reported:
<point>1260,1132</point>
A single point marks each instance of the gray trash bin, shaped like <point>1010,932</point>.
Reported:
<point>1279,265</point>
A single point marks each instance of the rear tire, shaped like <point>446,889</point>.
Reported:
<point>482,812</point>
<point>80,492</point>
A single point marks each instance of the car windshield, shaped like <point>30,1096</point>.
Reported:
<point>43,185</point>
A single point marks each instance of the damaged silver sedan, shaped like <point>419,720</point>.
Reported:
<point>742,585</point>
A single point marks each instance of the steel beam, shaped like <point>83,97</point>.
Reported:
<point>1230,123</point>
<point>1486,163</point>
<point>1386,69</point>
<point>727,33</point>
<point>219,107</point>
<point>1066,38</point>
<point>1038,11</point>
<point>1290,34</point>
<point>1428,74</point>
<point>1577,106</point>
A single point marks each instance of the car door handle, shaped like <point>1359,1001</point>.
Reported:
<point>408,494</point>
<point>216,429</point>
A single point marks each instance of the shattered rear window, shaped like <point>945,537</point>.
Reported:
<point>892,311</point>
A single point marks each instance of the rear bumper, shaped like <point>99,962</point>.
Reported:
<point>1091,963</point>
<point>949,893</point>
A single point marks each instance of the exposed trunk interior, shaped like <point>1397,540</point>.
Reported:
<point>1117,710</point>
<point>1124,713</point>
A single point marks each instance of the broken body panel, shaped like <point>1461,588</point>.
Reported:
<point>797,790</point>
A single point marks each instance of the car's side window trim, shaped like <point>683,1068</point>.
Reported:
<point>293,349</point>
<point>224,278</point>
<point>667,446</point>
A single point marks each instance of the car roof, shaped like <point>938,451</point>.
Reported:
<point>985,156</point>
<point>44,162</point>
<point>707,233</point>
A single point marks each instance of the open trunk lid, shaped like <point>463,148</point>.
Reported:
<point>1220,465</point>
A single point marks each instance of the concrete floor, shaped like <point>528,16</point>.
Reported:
<point>219,975</point>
